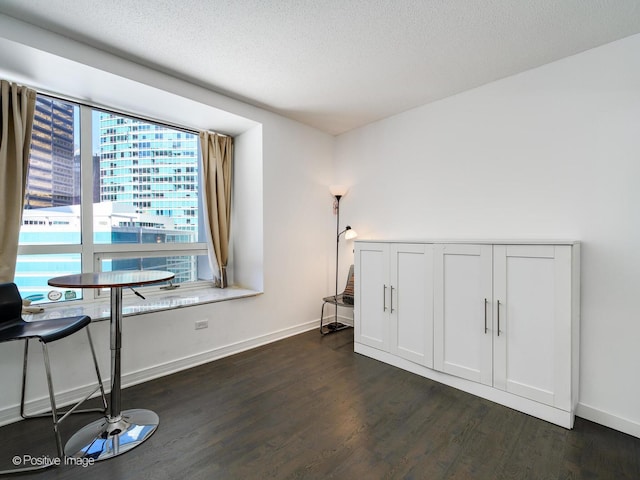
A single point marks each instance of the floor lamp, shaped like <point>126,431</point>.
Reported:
<point>339,191</point>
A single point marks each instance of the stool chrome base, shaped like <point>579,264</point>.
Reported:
<point>110,437</point>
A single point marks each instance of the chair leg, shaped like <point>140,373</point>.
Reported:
<point>322,315</point>
<point>103,396</point>
<point>52,399</point>
<point>24,377</point>
<point>23,415</point>
<point>54,410</point>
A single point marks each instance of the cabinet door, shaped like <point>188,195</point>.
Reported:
<point>532,353</point>
<point>411,302</point>
<point>371,306</point>
<point>462,311</point>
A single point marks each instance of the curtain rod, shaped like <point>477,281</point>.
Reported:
<point>117,112</point>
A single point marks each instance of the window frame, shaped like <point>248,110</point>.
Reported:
<point>91,253</point>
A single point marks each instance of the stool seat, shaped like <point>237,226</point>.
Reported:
<point>46,330</point>
<point>341,300</point>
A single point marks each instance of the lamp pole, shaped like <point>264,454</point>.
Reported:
<point>337,191</point>
<point>338,197</point>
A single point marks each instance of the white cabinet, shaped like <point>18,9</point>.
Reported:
<point>532,287</point>
<point>411,302</point>
<point>463,331</point>
<point>503,318</point>
<point>500,320</point>
<point>394,292</point>
<point>371,314</point>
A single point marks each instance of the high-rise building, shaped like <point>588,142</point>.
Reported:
<point>150,166</point>
<point>51,180</point>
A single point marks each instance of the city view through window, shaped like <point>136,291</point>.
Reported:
<point>131,201</point>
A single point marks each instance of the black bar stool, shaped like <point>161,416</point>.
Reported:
<point>13,327</point>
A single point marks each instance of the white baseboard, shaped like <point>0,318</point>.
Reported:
<point>341,319</point>
<point>12,414</point>
<point>608,420</point>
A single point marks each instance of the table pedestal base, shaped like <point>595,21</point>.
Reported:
<point>109,437</point>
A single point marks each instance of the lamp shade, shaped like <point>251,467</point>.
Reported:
<point>350,234</point>
<point>338,190</point>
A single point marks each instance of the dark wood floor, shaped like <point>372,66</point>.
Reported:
<point>308,407</point>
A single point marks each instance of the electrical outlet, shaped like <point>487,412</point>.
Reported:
<point>200,324</point>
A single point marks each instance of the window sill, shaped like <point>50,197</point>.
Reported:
<point>158,301</point>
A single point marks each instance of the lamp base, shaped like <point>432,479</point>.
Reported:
<point>333,327</point>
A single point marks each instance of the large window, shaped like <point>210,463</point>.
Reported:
<point>108,192</point>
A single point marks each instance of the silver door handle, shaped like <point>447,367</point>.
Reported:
<point>391,297</point>
<point>498,317</point>
<point>485,315</point>
<point>384,298</point>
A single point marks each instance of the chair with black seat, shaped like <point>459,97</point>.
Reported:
<point>14,327</point>
<point>345,299</point>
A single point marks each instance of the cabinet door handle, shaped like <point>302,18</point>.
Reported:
<point>498,317</point>
<point>384,298</point>
<point>391,297</point>
<point>485,315</point>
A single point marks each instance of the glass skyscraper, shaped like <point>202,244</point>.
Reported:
<point>152,167</point>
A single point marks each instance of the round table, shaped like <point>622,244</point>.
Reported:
<point>119,431</point>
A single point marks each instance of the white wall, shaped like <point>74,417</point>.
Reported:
<point>247,220</point>
<point>551,153</point>
<point>282,245</point>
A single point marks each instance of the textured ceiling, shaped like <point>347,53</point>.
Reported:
<point>337,64</point>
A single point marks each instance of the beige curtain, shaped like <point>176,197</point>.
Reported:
<point>217,158</point>
<point>17,108</point>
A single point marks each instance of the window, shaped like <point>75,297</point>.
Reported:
<point>105,192</point>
